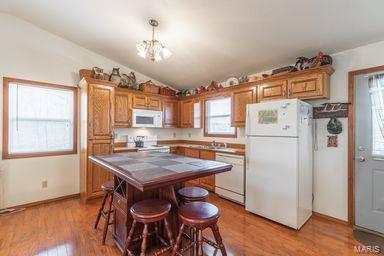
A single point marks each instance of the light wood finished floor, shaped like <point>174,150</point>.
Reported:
<point>66,228</point>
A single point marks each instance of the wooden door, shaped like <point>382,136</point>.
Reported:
<point>122,109</point>
<point>186,114</point>
<point>240,100</point>
<point>306,87</point>
<point>170,113</point>
<point>139,101</point>
<point>95,174</point>
<point>100,111</point>
<point>153,103</point>
<point>209,181</point>
<point>273,90</point>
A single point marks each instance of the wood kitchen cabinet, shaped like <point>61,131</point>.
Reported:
<point>272,90</point>
<point>123,113</point>
<point>97,112</point>
<point>170,113</point>
<point>141,101</point>
<point>240,100</point>
<point>100,111</point>
<point>309,86</point>
<point>97,175</point>
<point>186,113</point>
<point>205,182</point>
<point>190,113</point>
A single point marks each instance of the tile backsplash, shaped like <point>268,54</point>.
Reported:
<point>176,134</point>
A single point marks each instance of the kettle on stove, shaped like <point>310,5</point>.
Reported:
<point>139,141</point>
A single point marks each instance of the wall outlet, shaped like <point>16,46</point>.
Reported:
<point>174,135</point>
<point>44,184</point>
<point>189,135</point>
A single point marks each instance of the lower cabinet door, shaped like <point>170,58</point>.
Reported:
<point>208,182</point>
<point>191,183</point>
<point>96,175</point>
<point>120,226</point>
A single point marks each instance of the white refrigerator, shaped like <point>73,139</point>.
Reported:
<point>279,161</point>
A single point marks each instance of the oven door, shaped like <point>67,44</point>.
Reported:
<point>146,118</point>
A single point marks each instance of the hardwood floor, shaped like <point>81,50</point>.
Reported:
<point>66,228</point>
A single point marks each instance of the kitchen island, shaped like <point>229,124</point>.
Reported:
<point>142,175</point>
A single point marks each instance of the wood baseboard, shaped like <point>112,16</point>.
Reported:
<point>330,218</point>
<point>46,201</point>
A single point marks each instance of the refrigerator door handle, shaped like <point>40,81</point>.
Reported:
<point>247,122</point>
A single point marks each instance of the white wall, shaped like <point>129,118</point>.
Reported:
<point>28,52</point>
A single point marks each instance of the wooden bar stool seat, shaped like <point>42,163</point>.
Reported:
<point>150,211</point>
<point>199,216</point>
<point>192,194</point>
<point>107,188</point>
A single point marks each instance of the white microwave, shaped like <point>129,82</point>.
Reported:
<point>147,118</point>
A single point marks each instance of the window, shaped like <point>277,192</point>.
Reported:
<point>39,119</point>
<point>218,118</point>
<point>376,91</point>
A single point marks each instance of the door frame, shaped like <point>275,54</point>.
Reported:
<point>351,137</point>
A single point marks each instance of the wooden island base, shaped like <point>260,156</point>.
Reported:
<point>125,195</point>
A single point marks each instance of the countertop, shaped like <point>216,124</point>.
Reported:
<point>234,151</point>
<point>150,170</point>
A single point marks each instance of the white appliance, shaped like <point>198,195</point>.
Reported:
<point>150,144</point>
<point>230,185</point>
<point>147,118</point>
<point>279,163</point>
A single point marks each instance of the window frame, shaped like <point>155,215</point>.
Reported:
<point>206,133</point>
<point>6,154</point>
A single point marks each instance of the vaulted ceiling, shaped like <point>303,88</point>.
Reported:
<point>210,40</point>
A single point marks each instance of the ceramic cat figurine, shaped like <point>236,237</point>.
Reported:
<point>98,73</point>
<point>115,76</point>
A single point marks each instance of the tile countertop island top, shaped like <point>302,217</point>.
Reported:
<point>150,170</point>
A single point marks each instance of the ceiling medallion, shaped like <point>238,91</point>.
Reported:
<point>153,49</point>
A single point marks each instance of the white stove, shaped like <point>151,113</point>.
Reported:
<point>155,148</point>
<point>150,144</point>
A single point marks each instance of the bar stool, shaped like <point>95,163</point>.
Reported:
<point>107,188</point>
<point>147,212</point>
<point>199,215</point>
<point>192,194</point>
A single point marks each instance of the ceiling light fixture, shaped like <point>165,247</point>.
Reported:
<point>153,49</point>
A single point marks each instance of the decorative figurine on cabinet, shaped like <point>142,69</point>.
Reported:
<point>115,76</point>
<point>98,73</point>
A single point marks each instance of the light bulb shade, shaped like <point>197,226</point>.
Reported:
<point>142,50</point>
<point>166,53</point>
<point>153,50</point>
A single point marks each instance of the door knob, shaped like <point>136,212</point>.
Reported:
<point>361,159</point>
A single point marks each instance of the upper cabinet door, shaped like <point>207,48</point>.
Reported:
<point>170,113</point>
<point>139,101</point>
<point>240,100</point>
<point>122,109</point>
<point>186,114</point>
<point>100,111</point>
<point>273,90</point>
<point>153,103</point>
<point>309,86</point>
